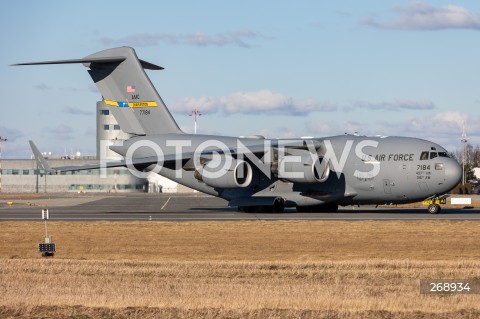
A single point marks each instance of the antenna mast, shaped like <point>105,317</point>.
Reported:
<point>464,141</point>
<point>195,113</point>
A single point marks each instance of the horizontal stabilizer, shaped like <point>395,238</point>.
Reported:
<point>87,60</point>
<point>144,64</point>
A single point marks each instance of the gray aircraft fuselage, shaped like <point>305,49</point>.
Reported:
<point>403,174</point>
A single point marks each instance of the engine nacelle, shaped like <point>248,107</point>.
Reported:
<point>234,174</point>
<point>302,169</point>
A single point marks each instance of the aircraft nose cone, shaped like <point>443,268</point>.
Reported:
<point>453,173</point>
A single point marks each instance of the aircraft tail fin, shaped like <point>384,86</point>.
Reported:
<point>127,91</point>
<point>41,161</point>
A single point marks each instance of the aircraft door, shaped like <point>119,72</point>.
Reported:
<point>438,173</point>
<point>386,186</point>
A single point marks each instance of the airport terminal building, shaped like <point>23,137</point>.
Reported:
<point>23,175</point>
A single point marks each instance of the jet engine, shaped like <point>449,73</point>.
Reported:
<point>233,173</point>
<point>302,169</point>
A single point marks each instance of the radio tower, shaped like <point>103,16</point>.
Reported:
<point>464,142</point>
<point>1,141</point>
<point>195,113</point>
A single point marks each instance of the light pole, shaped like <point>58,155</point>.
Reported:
<point>464,142</point>
<point>196,113</point>
<point>1,141</point>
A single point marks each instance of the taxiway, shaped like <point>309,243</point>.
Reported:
<point>197,207</point>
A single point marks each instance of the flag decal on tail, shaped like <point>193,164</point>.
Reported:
<point>130,104</point>
<point>131,89</point>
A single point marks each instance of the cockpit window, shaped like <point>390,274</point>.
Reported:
<point>443,154</point>
<point>424,156</point>
<point>433,155</point>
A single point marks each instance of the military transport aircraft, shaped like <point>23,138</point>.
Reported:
<point>255,173</point>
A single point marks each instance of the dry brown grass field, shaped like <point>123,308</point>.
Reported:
<point>284,269</point>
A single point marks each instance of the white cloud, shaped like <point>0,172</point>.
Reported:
<point>262,101</point>
<point>455,118</point>
<point>266,101</point>
<point>321,128</point>
<point>239,38</point>
<point>248,102</point>
<point>397,104</point>
<point>306,106</point>
<point>444,128</point>
<point>418,15</point>
<point>339,128</point>
<point>206,104</point>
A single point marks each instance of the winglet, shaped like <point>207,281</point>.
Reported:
<point>41,161</point>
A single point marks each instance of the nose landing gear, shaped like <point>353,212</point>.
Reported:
<point>434,208</point>
<point>434,204</point>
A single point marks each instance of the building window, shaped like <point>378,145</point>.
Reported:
<point>14,171</point>
<point>106,127</point>
<point>26,172</point>
<point>116,127</point>
<point>105,112</point>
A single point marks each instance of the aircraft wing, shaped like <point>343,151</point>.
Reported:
<point>167,158</point>
<point>89,166</point>
<point>43,164</point>
<point>41,161</point>
<point>135,162</point>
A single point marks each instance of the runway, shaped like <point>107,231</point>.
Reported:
<point>182,207</point>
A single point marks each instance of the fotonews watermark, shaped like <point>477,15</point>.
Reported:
<point>292,160</point>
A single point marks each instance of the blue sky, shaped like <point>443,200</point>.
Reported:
<point>278,68</point>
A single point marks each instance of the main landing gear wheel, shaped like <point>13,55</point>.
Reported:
<point>277,207</point>
<point>434,208</point>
